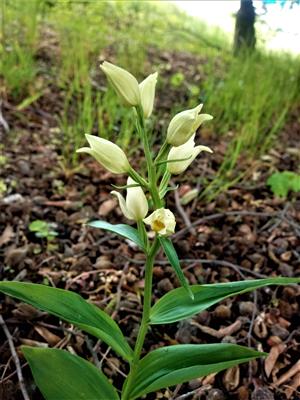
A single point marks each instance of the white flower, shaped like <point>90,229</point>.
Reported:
<point>124,83</point>
<point>108,154</point>
<point>162,221</point>
<point>147,90</point>
<point>136,205</point>
<point>186,151</point>
<point>185,124</point>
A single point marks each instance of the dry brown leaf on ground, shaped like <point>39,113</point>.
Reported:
<point>231,378</point>
<point>6,235</point>
<point>272,357</point>
<point>220,333</point>
<point>107,206</point>
<point>293,386</point>
<point>289,374</point>
<point>50,337</point>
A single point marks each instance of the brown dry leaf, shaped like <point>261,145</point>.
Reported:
<point>50,337</point>
<point>260,328</point>
<point>231,378</point>
<point>14,257</point>
<point>209,379</point>
<point>227,331</point>
<point>6,235</point>
<point>33,343</point>
<point>107,206</point>
<point>26,312</point>
<point>293,386</point>
<point>289,374</point>
<point>273,356</point>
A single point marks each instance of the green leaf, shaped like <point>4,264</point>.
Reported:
<point>70,307</point>
<point>282,182</point>
<point>124,230</point>
<point>171,254</point>
<point>173,365</point>
<point>177,305</point>
<point>63,376</point>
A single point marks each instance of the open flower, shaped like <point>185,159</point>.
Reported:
<point>186,152</point>
<point>124,83</point>
<point>185,124</point>
<point>162,221</point>
<point>108,154</point>
<point>136,205</point>
<point>147,90</point>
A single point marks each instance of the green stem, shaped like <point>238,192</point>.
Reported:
<point>145,320</point>
<point>143,234</point>
<point>138,178</point>
<point>150,164</point>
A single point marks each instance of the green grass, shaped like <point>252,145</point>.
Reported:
<point>251,97</point>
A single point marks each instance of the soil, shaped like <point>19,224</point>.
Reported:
<point>244,233</point>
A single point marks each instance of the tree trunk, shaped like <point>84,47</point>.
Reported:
<point>244,35</point>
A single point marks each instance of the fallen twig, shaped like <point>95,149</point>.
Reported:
<point>206,218</point>
<point>183,213</point>
<point>15,358</point>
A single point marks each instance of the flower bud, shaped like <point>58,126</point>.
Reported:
<point>186,151</point>
<point>147,90</point>
<point>124,83</point>
<point>185,124</point>
<point>108,154</point>
<point>162,221</point>
<point>136,205</point>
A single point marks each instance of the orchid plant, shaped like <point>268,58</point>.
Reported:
<point>61,375</point>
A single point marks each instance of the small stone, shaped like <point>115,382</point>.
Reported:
<point>61,217</point>
<point>24,168</point>
<point>224,272</point>
<point>203,317</point>
<point>289,292</point>
<point>279,331</point>
<point>165,285</point>
<point>195,384</point>
<point>247,307</point>
<point>103,262</point>
<point>185,332</point>
<point>262,394</point>
<point>229,339</point>
<point>158,272</point>
<point>286,270</point>
<point>215,394</point>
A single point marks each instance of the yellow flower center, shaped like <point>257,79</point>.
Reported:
<point>157,225</point>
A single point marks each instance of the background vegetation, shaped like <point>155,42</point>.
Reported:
<point>51,50</point>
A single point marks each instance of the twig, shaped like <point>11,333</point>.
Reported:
<point>249,334</point>
<point>234,213</point>
<point>15,358</point>
<point>183,213</point>
<point>236,268</point>
<point>93,352</point>
<point>119,289</point>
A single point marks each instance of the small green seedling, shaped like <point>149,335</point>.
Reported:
<point>43,229</point>
<point>282,183</point>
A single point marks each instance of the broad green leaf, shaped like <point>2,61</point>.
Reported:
<point>177,305</point>
<point>124,230</point>
<point>72,308</point>
<point>173,365</point>
<point>63,376</point>
<point>171,254</point>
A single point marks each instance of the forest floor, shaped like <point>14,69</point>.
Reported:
<point>244,233</point>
